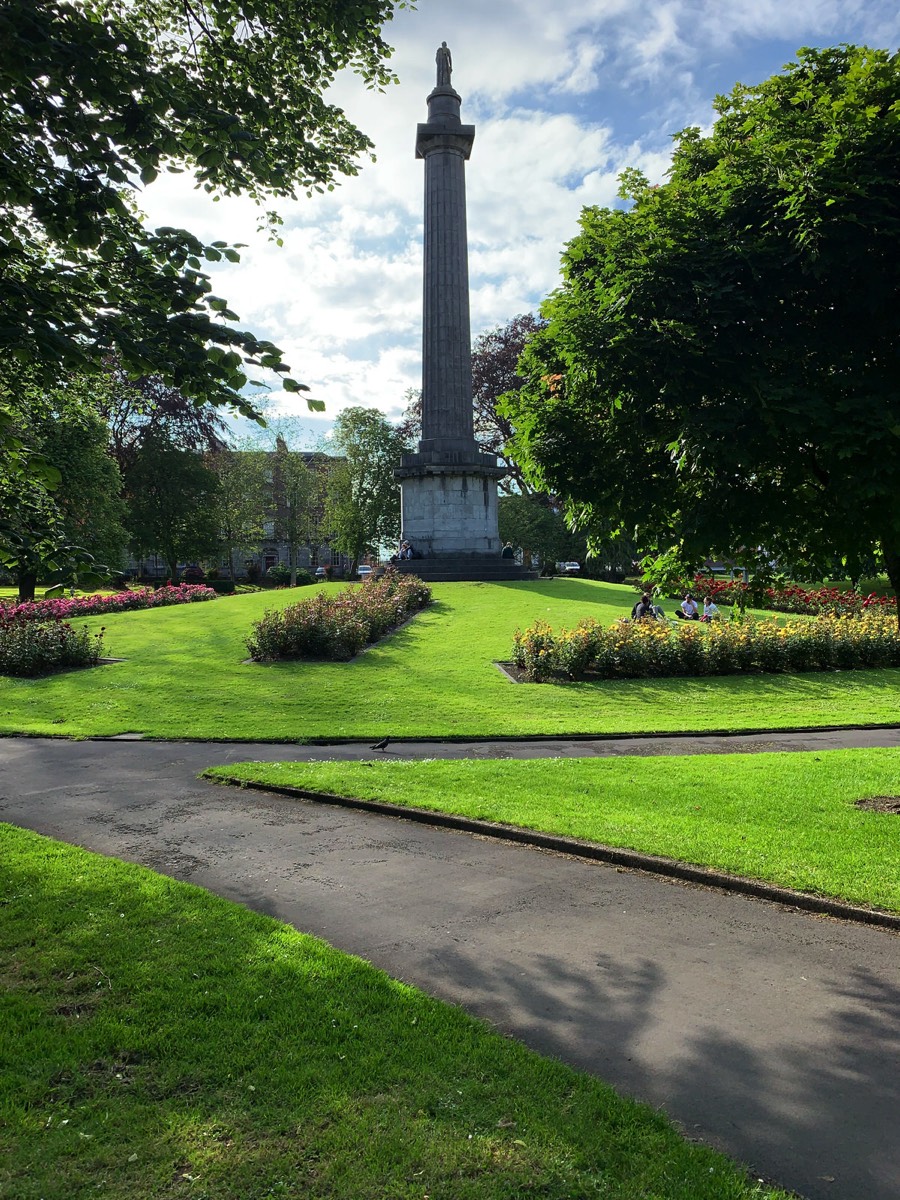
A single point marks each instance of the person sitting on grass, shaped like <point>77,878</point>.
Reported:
<point>643,610</point>
<point>710,610</point>
<point>689,610</point>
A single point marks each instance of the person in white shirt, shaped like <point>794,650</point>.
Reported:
<point>689,610</point>
<point>710,610</point>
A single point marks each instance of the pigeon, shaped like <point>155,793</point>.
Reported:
<point>382,745</point>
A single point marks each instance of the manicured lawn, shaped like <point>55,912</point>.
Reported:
<point>160,1041</point>
<point>785,818</point>
<point>185,678</point>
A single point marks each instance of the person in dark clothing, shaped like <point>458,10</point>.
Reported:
<point>643,610</point>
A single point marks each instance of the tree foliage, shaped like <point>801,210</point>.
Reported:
<point>135,409</point>
<point>172,504</point>
<point>242,499</point>
<point>100,96</point>
<point>495,358</point>
<point>363,504</point>
<point>720,368</point>
<point>538,528</point>
<point>57,523</point>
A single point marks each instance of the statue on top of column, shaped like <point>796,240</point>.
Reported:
<point>444,65</point>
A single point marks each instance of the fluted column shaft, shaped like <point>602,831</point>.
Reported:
<point>445,144</point>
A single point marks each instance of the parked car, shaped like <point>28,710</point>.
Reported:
<point>364,571</point>
<point>568,568</point>
<point>321,573</point>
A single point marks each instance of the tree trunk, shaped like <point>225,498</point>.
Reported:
<point>27,584</point>
<point>892,566</point>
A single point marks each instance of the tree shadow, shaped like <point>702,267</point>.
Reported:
<point>820,1116</point>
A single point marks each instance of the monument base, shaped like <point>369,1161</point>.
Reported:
<point>449,505</point>
<point>458,568</point>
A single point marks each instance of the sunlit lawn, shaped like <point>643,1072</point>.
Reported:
<point>185,676</point>
<point>164,1042</point>
<point>787,818</point>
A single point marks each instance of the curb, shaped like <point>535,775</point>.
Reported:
<point>474,739</point>
<point>643,736</point>
<point>595,851</point>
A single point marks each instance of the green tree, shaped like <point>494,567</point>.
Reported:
<point>539,528</point>
<point>363,502</point>
<point>172,504</point>
<point>243,497</point>
<point>76,522</point>
<point>719,372</point>
<point>100,96</point>
<point>298,501</point>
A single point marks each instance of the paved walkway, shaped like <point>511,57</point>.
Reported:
<point>771,1034</point>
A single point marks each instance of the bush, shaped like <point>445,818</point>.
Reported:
<point>29,648</point>
<point>279,574</point>
<point>222,587</point>
<point>652,648</point>
<point>338,627</point>
<point>96,606</point>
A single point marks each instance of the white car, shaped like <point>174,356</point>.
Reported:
<point>568,568</point>
<point>364,571</point>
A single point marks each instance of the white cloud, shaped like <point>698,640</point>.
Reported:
<point>563,98</point>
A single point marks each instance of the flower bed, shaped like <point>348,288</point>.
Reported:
<point>338,627</point>
<point>790,598</point>
<point>29,648</point>
<point>651,648</point>
<point>96,606</point>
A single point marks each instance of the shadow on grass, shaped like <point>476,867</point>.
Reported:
<point>809,1114</point>
<point>165,1036</point>
<point>752,688</point>
<point>565,587</point>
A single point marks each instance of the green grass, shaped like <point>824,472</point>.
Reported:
<point>184,678</point>
<point>159,1041</point>
<point>788,819</point>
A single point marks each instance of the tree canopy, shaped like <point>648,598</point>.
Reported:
<point>100,96</point>
<point>719,373</point>
<point>56,524</point>
<point>363,502</point>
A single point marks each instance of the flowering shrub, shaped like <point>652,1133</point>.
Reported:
<point>653,648</point>
<point>338,627</point>
<point>37,647</point>
<point>95,606</point>
<point>789,598</point>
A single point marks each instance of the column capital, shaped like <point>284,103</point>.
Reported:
<point>433,137</point>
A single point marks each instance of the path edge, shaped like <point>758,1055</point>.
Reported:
<point>595,851</point>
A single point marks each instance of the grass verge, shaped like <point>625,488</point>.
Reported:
<point>164,1042</point>
<point>185,676</point>
<point>787,819</point>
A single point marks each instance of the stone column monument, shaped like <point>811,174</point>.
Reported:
<point>449,487</point>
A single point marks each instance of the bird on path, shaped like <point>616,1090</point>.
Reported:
<point>382,745</point>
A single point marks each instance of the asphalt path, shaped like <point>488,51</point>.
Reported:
<point>772,1034</point>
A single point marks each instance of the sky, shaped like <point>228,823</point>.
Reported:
<point>564,95</point>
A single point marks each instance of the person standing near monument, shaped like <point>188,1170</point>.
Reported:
<point>444,62</point>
